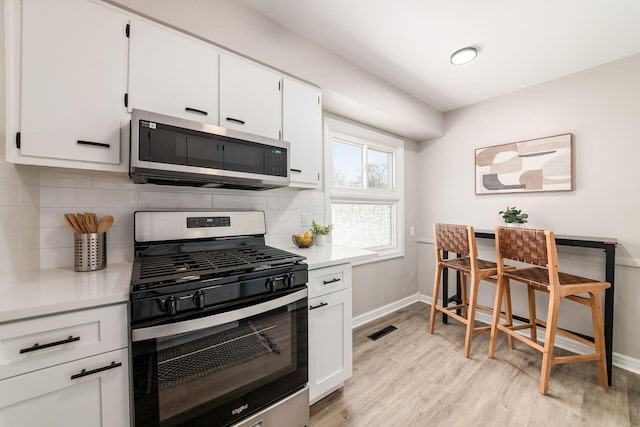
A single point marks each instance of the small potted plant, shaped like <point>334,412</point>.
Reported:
<point>322,232</point>
<point>513,217</point>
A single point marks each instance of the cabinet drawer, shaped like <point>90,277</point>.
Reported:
<point>329,279</point>
<point>88,392</point>
<point>37,343</point>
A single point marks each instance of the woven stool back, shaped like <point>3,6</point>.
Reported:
<point>452,238</point>
<point>523,244</point>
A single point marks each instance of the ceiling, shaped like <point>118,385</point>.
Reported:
<point>521,43</point>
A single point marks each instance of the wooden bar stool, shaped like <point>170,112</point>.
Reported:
<point>461,239</point>
<point>538,247</point>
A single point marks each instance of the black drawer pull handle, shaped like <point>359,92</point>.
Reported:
<point>37,346</point>
<point>95,144</point>
<point>322,304</point>
<point>326,282</point>
<point>231,119</point>
<point>195,110</point>
<point>84,372</point>
<point>296,170</point>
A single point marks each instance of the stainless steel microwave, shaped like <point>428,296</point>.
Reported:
<point>172,151</point>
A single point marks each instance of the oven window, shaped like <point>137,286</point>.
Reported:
<point>218,370</point>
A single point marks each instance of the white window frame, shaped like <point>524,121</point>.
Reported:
<point>349,132</point>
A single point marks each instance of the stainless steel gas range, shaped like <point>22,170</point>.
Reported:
<point>218,323</point>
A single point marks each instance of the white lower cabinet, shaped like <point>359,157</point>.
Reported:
<point>330,336</point>
<point>83,393</point>
<point>67,370</point>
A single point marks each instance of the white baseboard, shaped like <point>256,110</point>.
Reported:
<point>384,310</point>
<point>621,361</point>
<point>627,363</point>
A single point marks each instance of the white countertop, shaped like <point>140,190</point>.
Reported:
<point>328,255</point>
<point>56,290</point>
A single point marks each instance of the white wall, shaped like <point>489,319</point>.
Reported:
<point>601,107</point>
<point>347,90</point>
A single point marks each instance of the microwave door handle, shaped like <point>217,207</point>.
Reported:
<point>161,331</point>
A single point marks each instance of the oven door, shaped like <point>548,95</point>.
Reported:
<point>217,369</point>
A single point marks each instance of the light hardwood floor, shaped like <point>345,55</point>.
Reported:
<point>412,378</point>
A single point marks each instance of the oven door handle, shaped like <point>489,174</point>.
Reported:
<point>161,331</point>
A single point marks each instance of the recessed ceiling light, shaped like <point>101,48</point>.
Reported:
<point>464,55</point>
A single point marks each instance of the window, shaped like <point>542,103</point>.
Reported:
<point>364,187</point>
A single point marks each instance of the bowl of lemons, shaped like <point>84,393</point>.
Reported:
<point>303,240</point>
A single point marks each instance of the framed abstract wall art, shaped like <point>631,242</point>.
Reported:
<point>543,164</point>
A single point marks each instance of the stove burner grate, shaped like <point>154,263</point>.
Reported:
<point>211,261</point>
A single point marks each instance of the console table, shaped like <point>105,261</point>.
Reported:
<point>606,244</point>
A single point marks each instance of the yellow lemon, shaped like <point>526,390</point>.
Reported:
<point>308,235</point>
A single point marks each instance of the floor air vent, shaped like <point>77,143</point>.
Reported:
<point>382,332</point>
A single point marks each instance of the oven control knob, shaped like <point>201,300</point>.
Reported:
<point>198,298</point>
<point>291,279</point>
<point>172,305</point>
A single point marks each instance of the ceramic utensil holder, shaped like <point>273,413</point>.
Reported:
<point>90,251</point>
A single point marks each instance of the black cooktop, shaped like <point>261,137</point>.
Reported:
<point>157,268</point>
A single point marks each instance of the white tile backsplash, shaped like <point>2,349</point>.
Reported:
<point>256,202</point>
<point>9,191</point>
<point>59,197</point>
<point>29,195</point>
<point>120,235</point>
<point>19,218</point>
<point>162,200</point>
<point>115,182</point>
<point>100,198</point>
<point>56,238</point>
<point>54,178</point>
<point>66,191</point>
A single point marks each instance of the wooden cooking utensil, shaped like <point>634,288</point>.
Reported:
<point>72,222</point>
<point>105,224</point>
<point>82,222</point>
<point>94,220</point>
<point>91,220</point>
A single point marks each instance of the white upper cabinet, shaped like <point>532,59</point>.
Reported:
<point>302,128</point>
<point>171,73</point>
<point>250,97</point>
<point>73,81</point>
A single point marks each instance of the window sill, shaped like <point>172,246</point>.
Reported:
<point>382,257</point>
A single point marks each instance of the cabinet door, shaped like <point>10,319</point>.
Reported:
<point>302,128</point>
<point>74,63</point>
<point>250,97</point>
<point>172,74</point>
<point>330,343</point>
<point>98,397</point>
